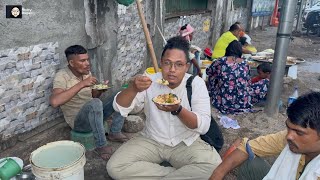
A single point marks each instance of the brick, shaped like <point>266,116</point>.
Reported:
<point>2,66</point>
<point>4,54</point>
<point>56,66</point>
<point>15,122</point>
<point>10,65</point>
<point>2,90</point>
<point>8,72</point>
<point>19,128</point>
<point>32,96</point>
<point>36,66</point>
<point>25,105</point>
<point>31,115</point>
<point>3,115</point>
<point>36,72</point>
<point>14,79</point>
<point>40,94</point>
<point>20,65</point>
<point>36,51</point>
<point>27,126</point>
<point>52,49</point>
<point>35,122</point>
<point>49,57</point>
<point>2,108</point>
<point>14,97</point>
<point>24,56</point>
<point>26,75</point>
<point>36,60</point>
<point>40,100</point>
<point>4,100</point>
<point>4,124</point>
<point>27,87</point>
<point>16,110</point>
<point>56,57</point>
<point>10,93</point>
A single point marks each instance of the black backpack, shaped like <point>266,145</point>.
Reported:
<point>213,136</point>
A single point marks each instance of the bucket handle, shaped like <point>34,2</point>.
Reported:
<point>5,159</point>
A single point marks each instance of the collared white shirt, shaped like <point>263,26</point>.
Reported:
<point>164,127</point>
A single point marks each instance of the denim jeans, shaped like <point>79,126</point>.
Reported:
<point>91,117</point>
<point>117,119</point>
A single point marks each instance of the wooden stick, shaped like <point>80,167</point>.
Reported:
<point>147,35</point>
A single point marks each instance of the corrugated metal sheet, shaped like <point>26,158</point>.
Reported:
<point>174,6</point>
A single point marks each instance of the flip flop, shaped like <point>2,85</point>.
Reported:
<point>118,137</point>
<point>104,152</point>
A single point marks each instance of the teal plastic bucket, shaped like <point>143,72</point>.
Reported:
<point>86,139</point>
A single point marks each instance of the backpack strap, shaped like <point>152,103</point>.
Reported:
<point>189,88</point>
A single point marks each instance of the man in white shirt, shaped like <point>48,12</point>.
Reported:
<point>172,132</point>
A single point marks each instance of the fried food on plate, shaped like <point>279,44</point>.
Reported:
<point>163,82</point>
<point>100,86</point>
<point>167,99</point>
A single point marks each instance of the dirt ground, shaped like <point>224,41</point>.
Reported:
<point>252,124</point>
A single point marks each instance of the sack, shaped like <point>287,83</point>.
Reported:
<point>214,135</point>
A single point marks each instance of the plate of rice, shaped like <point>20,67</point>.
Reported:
<point>166,99</point>
<point>100,86</point>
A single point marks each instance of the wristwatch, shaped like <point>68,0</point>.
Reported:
<point>177,111</point>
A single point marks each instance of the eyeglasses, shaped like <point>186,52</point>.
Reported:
<point>169,64</point>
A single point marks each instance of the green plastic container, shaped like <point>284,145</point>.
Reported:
<point>86,139</point>
<point>9,169</point>
<point>125,86</point>
<point>125,2</point>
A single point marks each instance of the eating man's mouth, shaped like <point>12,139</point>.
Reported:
<point>171,77</point>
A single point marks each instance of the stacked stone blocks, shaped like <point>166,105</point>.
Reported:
<point>26,75</point>
<point>131,46</point>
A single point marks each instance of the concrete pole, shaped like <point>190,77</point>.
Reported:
<point>280,56</point>
<point>298,26</point>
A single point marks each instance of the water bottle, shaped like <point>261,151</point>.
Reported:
<point>294,96</point>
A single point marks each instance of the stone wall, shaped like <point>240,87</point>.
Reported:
<point>200,38</point>
<point>26,75</point>
<point>131,48</point>
<point>240,15</point>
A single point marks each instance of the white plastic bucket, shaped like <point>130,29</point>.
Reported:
<point>59,160</point>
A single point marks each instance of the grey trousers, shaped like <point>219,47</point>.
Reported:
<point>255,169</point>
<point>140,158</point>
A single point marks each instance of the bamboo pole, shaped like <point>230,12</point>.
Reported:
<point>147,35</point>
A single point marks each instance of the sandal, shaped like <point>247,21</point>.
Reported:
<point>117,137</point>
<point>104,152</point>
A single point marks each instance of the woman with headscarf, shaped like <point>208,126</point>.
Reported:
<point>186,31</point>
